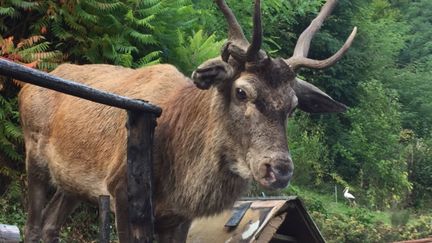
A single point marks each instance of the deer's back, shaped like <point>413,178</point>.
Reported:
<point>81,142</point>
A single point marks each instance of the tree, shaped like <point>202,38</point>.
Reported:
<point>371,150</point>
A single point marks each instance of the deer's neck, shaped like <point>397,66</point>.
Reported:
<point>191,141</point>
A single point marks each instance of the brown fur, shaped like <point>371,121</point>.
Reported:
<point>82,144</point>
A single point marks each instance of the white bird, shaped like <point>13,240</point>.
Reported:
<point>348,195</point>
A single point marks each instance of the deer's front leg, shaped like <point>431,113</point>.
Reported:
<point>175,234</point>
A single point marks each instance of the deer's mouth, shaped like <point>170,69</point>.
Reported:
<point>275,174</point>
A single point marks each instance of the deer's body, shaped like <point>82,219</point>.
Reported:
<point>216,133</point>
<point>82,145</point>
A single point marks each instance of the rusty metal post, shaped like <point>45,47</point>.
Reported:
<point>141,127</point>
<point>104,219</point>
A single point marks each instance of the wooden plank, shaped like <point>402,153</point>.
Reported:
<point>270,228</point>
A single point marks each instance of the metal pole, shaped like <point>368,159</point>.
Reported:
<point>49,81</point>
<point>336,193</point>
<point>104,219</point>
<point>141,127</point>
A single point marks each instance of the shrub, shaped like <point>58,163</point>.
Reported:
<point>400,218</point>
<point>359,226</point>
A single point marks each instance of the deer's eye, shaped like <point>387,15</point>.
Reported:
<point>241,94</point>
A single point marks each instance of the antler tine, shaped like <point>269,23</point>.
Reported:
<point>301,50</point>
<point>299,61</point>
<point>255,46</point>
<point>303,43</point>
<point>235,32</point>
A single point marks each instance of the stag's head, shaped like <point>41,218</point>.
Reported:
<point>259,94</point>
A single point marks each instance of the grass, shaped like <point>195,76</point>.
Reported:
<point>328,201</point>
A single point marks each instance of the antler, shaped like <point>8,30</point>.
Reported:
<point>255,47</point>
<point>235,32</point>
<point>238,46</point>
<point>301,50</point>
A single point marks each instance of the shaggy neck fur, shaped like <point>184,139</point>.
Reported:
<point>191,145</point>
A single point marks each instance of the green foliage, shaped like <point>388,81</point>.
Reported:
<point>414,84</point>
<point>418,45</point>
<point>33,52</point>
<point>12,210</point>
<point>400,218</point>
<point>308,151</point>
<point>127,33</point>
<point>358,227</point>
<point>10,132</point>
<point>195,50</point>
<point>418,154</point>
<point>371,149</point>
<point>419,228</point>
<point>82,225</point>
<point>279,19</point>
<point>102,31</point>
<point>339,222</point>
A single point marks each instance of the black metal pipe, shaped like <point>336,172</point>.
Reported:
<point>46,80</point>
<point>140,127</point>
<point>104,219</point>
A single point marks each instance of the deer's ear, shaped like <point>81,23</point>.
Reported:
<point>313,100</point>
<point>212,72</point>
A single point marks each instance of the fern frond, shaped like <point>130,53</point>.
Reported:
<point>147,3</point>
<point>41,23</point>
<point>125,49</point>
<point>10,152</point>
<point>9,11</point>
<point>2,114</point>
<point>149,59</point>
<point>104,7</point>
<point>143,38</point>
<point>6,46</point>
<point>146,22</point>
<point>3,102</point>
<point>12,131</point>
<point>124,60</point>
<point>70,21</point>
<point>24,4</point>
<point>8,147</point>
<point>47,66</point>
<point>29,42</point>
<point>84,16</point>
<point>8,172</point>
<point>59,31</point>
<point>155,9</point>
<point>27,54</point>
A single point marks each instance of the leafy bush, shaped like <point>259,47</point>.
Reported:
<point>372,150</point>
<point>358,227</point>
<point>194,50</point>
<point>308,150</point>
<point>400,218</point>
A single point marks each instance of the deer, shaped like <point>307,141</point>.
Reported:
<point>219,130</point>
